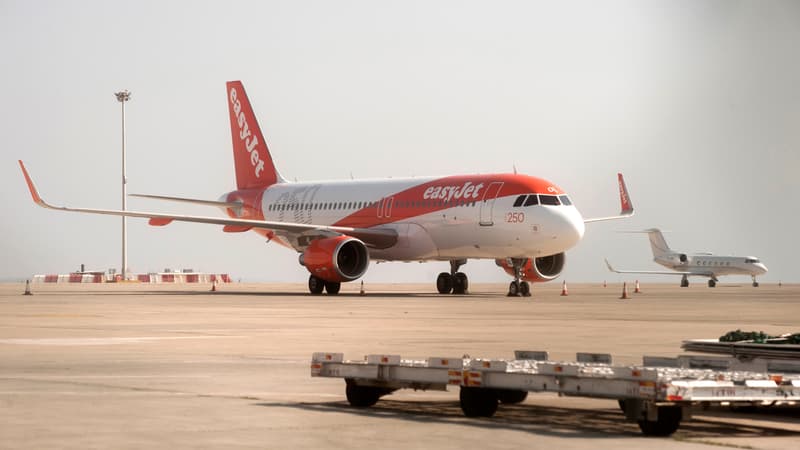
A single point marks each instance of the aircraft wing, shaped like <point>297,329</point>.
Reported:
<point>373,237</point>
<point>659,272</point>
<point>626,206</point>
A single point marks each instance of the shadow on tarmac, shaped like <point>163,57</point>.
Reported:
<point>343,295</point>
<point>543,420</point>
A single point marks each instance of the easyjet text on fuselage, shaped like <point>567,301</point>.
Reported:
<point>466,191</point>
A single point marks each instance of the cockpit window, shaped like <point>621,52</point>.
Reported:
<point>549,200</point>
<point>751,260</point>
<point>519,200</point>
<point>565,200</point>
<point>533,199</point>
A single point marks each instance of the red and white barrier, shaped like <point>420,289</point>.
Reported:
<point>152,278</point>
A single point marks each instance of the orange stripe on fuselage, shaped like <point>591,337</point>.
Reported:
<point>444,193</point>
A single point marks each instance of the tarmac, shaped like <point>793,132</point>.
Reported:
<point>133,365</point>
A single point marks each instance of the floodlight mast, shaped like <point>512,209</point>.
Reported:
<point>122,97</point>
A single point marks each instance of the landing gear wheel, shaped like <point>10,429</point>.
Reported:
<point>510,396</point>
<point>460,283</point>
<point>712,283</point>
<point>444,283</point>
<point>332,288</point>
<point>513,289</point>
<point>524,289</point>
<point>755,283</point>
<point>478,402</point>
<point>684,282</point>
<point>669,418</point>
<point>315,285</point>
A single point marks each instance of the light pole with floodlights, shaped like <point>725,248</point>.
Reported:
<point>122,97</point>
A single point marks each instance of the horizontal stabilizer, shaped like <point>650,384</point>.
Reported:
<point>159,222</point>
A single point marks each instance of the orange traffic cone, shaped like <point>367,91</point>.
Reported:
<point>636,290</point>
<point>214,286</point>
<point>564,291</point>
<point>624,291</point>
<point>28,288</point>
<point>604,283</point>
<point>361,292</point>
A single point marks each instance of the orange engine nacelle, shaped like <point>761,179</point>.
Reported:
<point>537,270</point>
<point>336,259</point>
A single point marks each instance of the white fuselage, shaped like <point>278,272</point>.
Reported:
<point>435,217</point>
<point>712,265</point>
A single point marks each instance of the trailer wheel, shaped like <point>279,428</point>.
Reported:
<point>510,396</point>
<point>478,402</point>
<point>669,418</point>
<point>363,396</point>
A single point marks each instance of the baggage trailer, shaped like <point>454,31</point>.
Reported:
<point>657,394</point>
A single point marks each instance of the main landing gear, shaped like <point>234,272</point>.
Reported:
<point>518,288</point>
<point>712,282</point>
<point>316,285</point>
<point>454,282</point>
<point>685,281</point>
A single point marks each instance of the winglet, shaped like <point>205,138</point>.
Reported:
<point>31,187</point>
<point>624,198</point>
<point>626,206</point>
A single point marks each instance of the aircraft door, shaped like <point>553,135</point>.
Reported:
<point>487,203</point>
<point>385,208</point>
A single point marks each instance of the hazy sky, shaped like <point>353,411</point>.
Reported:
<point>696,102</point>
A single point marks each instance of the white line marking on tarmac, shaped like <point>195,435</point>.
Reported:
<point>101,341</point>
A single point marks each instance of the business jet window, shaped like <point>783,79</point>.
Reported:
<point>549,200</point>
<point>533,199</point>
<point>565,200</point>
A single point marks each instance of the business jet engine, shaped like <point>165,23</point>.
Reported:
<point>336,259</point>
<point>537,270</point>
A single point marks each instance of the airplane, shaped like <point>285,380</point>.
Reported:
<point>523,222</point>
<point>696,264</point>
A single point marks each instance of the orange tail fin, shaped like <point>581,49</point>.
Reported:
<point>254,166</point>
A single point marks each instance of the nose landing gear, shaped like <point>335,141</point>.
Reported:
<point>518,287</point>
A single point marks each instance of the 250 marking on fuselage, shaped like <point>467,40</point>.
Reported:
<point>515,217</point>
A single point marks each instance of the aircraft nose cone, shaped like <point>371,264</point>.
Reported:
<point>572,226</point>
<point>762,267</point>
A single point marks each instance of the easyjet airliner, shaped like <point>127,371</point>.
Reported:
<point>522,222</point>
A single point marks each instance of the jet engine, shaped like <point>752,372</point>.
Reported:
<point>537,270</point>
<point>336,259</point>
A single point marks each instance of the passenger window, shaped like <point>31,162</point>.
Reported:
<point>518,202</point>
<point>533,199</point>
<point>565,200</point>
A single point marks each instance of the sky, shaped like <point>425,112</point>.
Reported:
<point>696,102</point>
